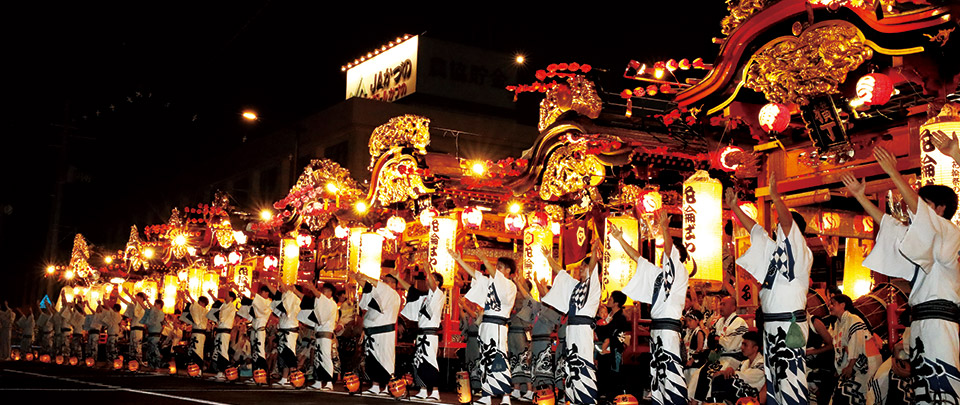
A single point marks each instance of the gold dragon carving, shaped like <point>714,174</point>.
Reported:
<point>579,95</point>
<point>404,131</point>
<point>570,169</point>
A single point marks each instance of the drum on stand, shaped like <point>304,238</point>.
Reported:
<point>816,305</point>
<point>873,306</point>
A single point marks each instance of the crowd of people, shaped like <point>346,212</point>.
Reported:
<point>700,348</point>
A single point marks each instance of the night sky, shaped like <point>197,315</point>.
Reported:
<point>118,99</point>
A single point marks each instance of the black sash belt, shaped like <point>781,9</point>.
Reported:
<point>65,330</point>
<point>78,334</point>
<point>429,331</point>
<point>936,309</point>
<point>497,320</point>
<point>579,320</point>
<point>223,330</point>
<point>261,328</point>
<point>516,329</point>
<point>289,330</point>
<point>154,334</point>
<point>785,316</point>
<point>473,334</point>
<point>734,355</point>
<point>93,332</point>
<point>376,330</point>
<point>140,328</point>
<point>665,324</point>
<point>324,335</point>
<point>541,337</point>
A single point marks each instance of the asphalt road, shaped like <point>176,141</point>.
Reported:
<point>49,383</point>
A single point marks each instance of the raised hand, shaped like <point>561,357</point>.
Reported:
<point>453,253</point>
<point>887,161</point>
<point>615,231</point>
<point>730,198</point>
<point>948,145</point>
<point>772,183</point>
<point>856,188</point>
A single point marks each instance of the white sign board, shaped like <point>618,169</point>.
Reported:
<point>389,76</point>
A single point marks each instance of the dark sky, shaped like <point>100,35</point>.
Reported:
<point>142,92</point>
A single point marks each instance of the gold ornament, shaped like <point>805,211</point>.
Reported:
<point>578,95</point>
<point>133,253</point>
<point>398,181</point>
<point>791,70</point>
<point>177,235</point>
<point>570,169</point>
<point>554,212</point>
<point>629,194</point>
<point>80,256</point>
<point>403,131</point>
<point>740,11</point>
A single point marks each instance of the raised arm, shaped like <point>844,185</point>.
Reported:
<point>785,217</point>
<point>466,267</point>
<point>857,190</point>
<point>948,145</point>
<point>617,234</point>
<point>400,281</point>
<point>363,278</point>
<point>519,281</point>
<point>431,281</point>
<point>548,253</point>
<point>733,203</point>
<point>888,163</point>
<point>664,220</point>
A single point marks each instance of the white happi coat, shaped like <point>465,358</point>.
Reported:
<point>382,306</point>
<point>851,338</point>
<point>325,312</point>
<point>257,313</point>
<point>580,299</point>
<point>496,295</point>
<point>664,288</point>
<point>925,254</point>
<point>287,309</point>
<point>427,311</point>
<point>196,317</point>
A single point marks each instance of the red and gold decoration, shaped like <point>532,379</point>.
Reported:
<point>874,89</point>
<point>472,217</point>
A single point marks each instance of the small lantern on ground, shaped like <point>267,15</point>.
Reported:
<point>297,379</point>
<point>260,376</point>
<point>352,382</point>
<point>73,361</point>
<point>231,374</point>
<point>193,370</point>
<point>397,387</point>
<point>89,361</point>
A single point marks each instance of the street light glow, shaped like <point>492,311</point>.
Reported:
<point>250,116</point>
<point>266,215</point>
<point>51,269</point>
<point>521,59</point>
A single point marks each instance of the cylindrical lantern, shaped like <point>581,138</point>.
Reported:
<point>195,282</point>
<point>371,252</point>
<point>396,225</point>
<point>935,167</point>
<point>618,267</point>
<point>241,277</point>
<point>354,249</point>
<point>703,224</point>
<point>463,387</point>
<point>472,217</point>
<point>427,216</point>
<point>443,233</point>
<point>514,222</point>
<point>170,283</point>
<point>535,264</point>
<point>290,264</point>
<point>544,396</point>
<point>211,281</point>
<point>857,281</point>
<point>774,117</point>
<point>874,89</point>
<point>149,288</point>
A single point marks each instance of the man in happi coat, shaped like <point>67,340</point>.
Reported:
<point>73,313</point>
<point>726,340</point>
<point>782,267</point>
<point>747,379</point>
<point>664,288</point>
<point>381,302</point>
<point>496,293</point>
<point>427,310</point>
<point>196,316</point>
<point>223,315</point>
<point>152,321</point>
<point>323,318</point>
<point>582,298</point>
<point>135,310</point>
<point>257,311</point>
<point>856,356</point>
<point>925,254</point>
<point>288,329</point>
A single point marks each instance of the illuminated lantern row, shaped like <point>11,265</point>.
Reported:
<point>703,225</point>
<point>290,264</point>
<point>219,260</point>
<point>443,232</point>
<point>856,278</point>
<point>370,254</point>
<point>270,262</point>
<point>935,167</point>
<point>535,265</point>
<point>618,267</point>
<point>303,240</point>
<point>774,117</point>
<point>170,284</point>
<point>427,216</point>
<point>874,89</point>
<point>472,217</point>
<point>515,222</point>
<point>234,258</point>
<point>341,232</point>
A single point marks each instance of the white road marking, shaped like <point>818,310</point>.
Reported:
<point>116,388</point>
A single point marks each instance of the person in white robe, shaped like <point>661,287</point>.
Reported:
<point>891,383</point>
<point>664,288</point>
<point>381,302</point>
<point>196,317</point>
<point>726,340</point>
<point>76,319</point>
<point>7,317</point>
<point>323,319</point>
<point>782,267</point>
<point>581,299</point>
<point>152,322</point>
<point>496,293</point>
<point>288,329</point>
<point>135,311</point>
<point>746,380</point>
<point>223,314</point>
<point>925,254</point>
<point>257,311</point>
<point>45,329</point>
<point>856,356</point>
<point>427,311</point>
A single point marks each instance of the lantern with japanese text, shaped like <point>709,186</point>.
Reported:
<point>442,237</point>
<point>195,282</point>
<point>544,396</point>
<point>935,167</point>
<point>464,394</point>
<point>535,264</point>
<point>618,266</point>
<point>371,254</point>
<point>170,283</point>
<point>241,277</point>
<point>703,225</point>
<point>397,387</point>
<point>857,281</point>
<point>472,217</point>
<point>231,374</point>
<point>774,117</point>
<point>874,89</point>
<point>625,399</point>
<point>290,265</point>
<point>353,243</point>
<point>514,222</point>
<point>297,379</point>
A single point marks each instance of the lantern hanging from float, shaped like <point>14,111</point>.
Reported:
<point>149,288</point>
<point>514,222</point>
<point>211,281</point>
<point>472,217</point>
<point>353,242</point>
<point>857,280</point>
<point>535,264</point>
<point>774,117</point>
<point>426,216</point>
<point>538,218</point>
<point>443,235</point>
<point>290,264</point>
<point>935,167</point>
<point>874,89</point>
<point>195,282</point>
<point>234,258</point>
<point>170,283</point>
<point>370,254</point>
<point>618,266</point>
<point>219,260</point>
<point>396,225</point>
<point>703,225</point>
<point>341,232</point>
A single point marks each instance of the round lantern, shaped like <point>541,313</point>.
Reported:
<point>730,157</point>
<point>270,262</point>
<point>867,224</point>
<point>231,374</point>
<point>750,209</point>
<point>464,393</point>
<point>830,221</point>
<point>73,361</point>
<point>538,218</point>
<point>117,363</point>
<point>651,202</point>
<point>219,260</point>
<point>352,382</point>
<point>193,370</point>
<point>29,357</point>
<point>44,358</point>
<point>15,354</point>
<point>774,117</point>
<point>748,401</point>
<point>397,387</point>
<point>297,379</point>
<point>427,216</point>
<point>133,365</point>
<point>874,89</point>
<point>173,367</point>
<point>409,379</point>
<point>625,399</point>
<point>260,376</point>
<point>544,396</point>
<point>472,217</point>
<point>235,257</point>
<point>514,222</point>
<point>341,232</point>
<point>396,225</point>
<point>89,361</point>
<point>58,359</point>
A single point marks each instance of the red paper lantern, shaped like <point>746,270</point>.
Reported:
<point>29,357</point>
<point>117,363</point>
<point>44,358</point>
<point>729,158</point>
<point>514,222</point>
<point>874,89</point>
<point>73,361</point>
<point>89,361</point>
<point>544,396</point>
<point>625,399</point>
<point>59,359</point>
<point>539,218</point>
<point>397,387</point>
<point>774,117</point>
<point>193,370</point>
<point>235,258</point>
<point>396,225</point>
<point>133,365</point>
<point>472,217</point>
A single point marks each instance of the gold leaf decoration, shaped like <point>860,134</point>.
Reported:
<point>570,169</point>
<point>398,181</point>
<point>792,70</point>
<point>554,212</point>
<point>404,131</point>
<point>740,11</point>
<point>579,95</point>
